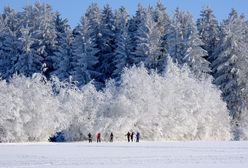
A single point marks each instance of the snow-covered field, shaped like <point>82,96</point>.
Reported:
<point>117,155</point>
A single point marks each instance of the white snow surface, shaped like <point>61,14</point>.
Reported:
<point>190,154</point>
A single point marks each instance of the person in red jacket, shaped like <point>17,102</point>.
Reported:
<point>98,137</point>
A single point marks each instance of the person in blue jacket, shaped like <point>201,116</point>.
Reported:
<point>137,137</point>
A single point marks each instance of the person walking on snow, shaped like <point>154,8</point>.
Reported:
<point>90,137</point>
<point>98,137</point>
<point>111,137</point>
<point>128,136</point>
<point>137,137</point>
<point>132,135</point>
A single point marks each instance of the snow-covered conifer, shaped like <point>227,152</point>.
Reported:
<point>107,44</point>
<point>25,63</point>
<point>230,65</point>
<point>133,25</point>
<point>63,54</point>
<point>121,52</point>
<point>93,15</point>
<point>209,31</point>
<point>40,19</point>
<point>185,44</point>
<point>148,48</point>
<point>83,54</point>
<point>9,45</point>
<point>163,23</point>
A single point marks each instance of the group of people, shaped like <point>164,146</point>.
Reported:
<point>130,137</point>
<point>98,137</point>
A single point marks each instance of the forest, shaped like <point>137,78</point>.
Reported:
<point>170,77</point>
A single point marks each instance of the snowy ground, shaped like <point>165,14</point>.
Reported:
<point>132,155</point>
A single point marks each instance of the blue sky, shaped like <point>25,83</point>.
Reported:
<point>74,9</point>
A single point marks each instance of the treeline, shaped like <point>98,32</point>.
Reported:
<point>38,39</point>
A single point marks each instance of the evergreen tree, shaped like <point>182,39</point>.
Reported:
<point>107,44</point>
<point>121,52</point>
<point>40,19</point>
<point>161,17</point>
<point>230,65</point>
<point>163,23</point>
<point>133,26</point>
<point>63,54</point>
<point>83,50</point>
<point>9,45</point>
<point>3,59</point>
<point>148,48</point>
<point>25,63</point>
<point>93,15</point>
<point>185,44</point>
<point>209,31</point>
<point>48,30</point>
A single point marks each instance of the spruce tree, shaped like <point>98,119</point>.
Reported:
<point>9,45</point>
<point>148,48</point>
<point>62,55</point>
<point>25,63</point>
<point>107,44</point>
<point>185,44</point>
<point>133,25</point>
<point>121,52</point>
<point>40,19</point>
<point>83,53</point>
<point>93,15</point>
<point>230,65</point>
<point>163,21</point>
<point>209,31</point>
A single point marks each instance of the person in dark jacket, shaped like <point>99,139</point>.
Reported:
<point>128,136</point>
<point>132,135</point>
<point>137,137</point>
<point>90,137</point>
<point>98,137</point>
<point>111,139</point>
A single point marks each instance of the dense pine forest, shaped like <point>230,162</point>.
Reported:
<point>171,77</point>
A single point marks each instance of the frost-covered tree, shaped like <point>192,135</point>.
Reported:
<point>48,31</point>
<point>161,17</point>
<point>107,44</point>
<point>93,15</point>
<point>29,111</point>
<point>185,44</point>
<point>163,23</point>
<point>148,48</point>
<point>2,27</point>
<point>84,54</point>
<point>230,65</point>
<point>4,61</point>
<point>133,25</point>
<point>209,31</point>
<point>9,45</point>
<point>175,106</point>
<point>122,52</point>
<point>26,63</point>
<point>40,19</point>
<point>63,54</point>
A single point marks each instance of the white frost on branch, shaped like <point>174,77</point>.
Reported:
<point>175,106</point>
